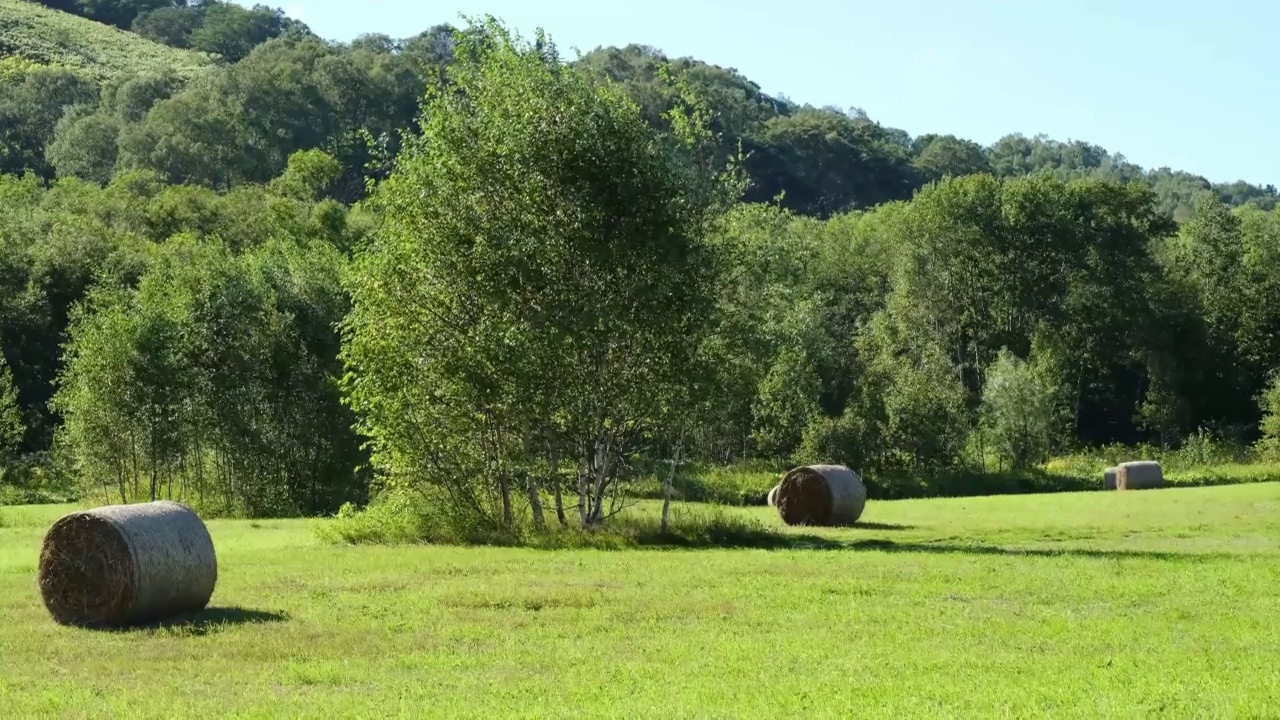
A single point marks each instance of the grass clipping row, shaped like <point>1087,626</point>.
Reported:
<point>127,564</point>
<point>821,495</point>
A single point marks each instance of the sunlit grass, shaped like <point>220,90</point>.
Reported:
<point>1065,605</point>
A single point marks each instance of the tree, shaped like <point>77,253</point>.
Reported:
<point>215,382</point>
<point>120,13</point>
<point>538,284</point>
<point>1269,403</point>
<point>171,26</point>
<point>29,113</point>
<point>827,162</point>
<point>948,156</point>
<point>233,31</point>
<point>787,401</point>
<point>1017,411</point>
<point>11,425</point>
<point>85,146</point>
<point>309,176</point>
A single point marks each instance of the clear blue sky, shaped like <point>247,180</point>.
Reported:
<point>1189,85</point>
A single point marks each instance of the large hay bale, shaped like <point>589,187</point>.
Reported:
<point>773,496</point>
<point>1109,479</point>
<point>821,495</point>
<point>127,564</point>
<point>1139,475</point>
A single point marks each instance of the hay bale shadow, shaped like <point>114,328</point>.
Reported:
<point>203,622</point>
<point>881,526</point>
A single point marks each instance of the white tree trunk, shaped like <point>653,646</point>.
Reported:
<point>584,471</point>
<point>601,477</point>
<point>667,486</point>
<point>560,505</point>
<point>535,502</point>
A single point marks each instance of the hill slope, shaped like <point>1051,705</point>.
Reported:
<point>50,37</point>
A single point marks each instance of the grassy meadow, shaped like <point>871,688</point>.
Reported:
<point>50,37</point>
<point>1157,603</point>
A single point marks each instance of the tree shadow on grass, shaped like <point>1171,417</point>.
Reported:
<point>953,549</point>
<point>769,539</point>
<point>205,622</point>
<point>881,526</point>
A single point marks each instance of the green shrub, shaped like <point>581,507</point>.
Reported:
<point>406,517</point>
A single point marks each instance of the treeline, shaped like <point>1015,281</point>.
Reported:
<point>189,336</point>
<point>230,126</point>
<point>224,29</point>
<point>261,287</point>
<point>237,122</point>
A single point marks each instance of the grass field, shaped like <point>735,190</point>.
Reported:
<point>749,483</point>
<point>51,37</point>
<point>1157,603</point>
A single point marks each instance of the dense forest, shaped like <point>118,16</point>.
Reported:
<point>271,273</point>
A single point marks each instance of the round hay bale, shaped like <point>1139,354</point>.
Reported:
<point>126,564</point>
<point>1139,475</point>
<point>1109,479</point>
<point>773,496</point>
<point>821,495</point>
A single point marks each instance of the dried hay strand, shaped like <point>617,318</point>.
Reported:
<point>821,495</point>
<point>1139,475</point>
<point>125,564</point>
<point>1109,479</point>
<point>773,497</point>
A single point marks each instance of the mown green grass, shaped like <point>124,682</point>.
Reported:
<point>50,37</point>
<point>1068,605</point>
<point>749,483</point>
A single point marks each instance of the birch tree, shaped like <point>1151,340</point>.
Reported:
<point>539,283</point>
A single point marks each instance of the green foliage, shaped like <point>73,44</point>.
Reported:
<point>829,162</point>
<point>938,157</point>
<point>406,517</point>
<point>214,382</point>
<point>925,424</point>
<point>49,37</point>
<point>1269,402</point>
<point>544,252</point>
<point>29,113</point>
<point>1017,412</point>
<point>309,176</point>
<point>242,124</point>
<point>172,26</point>
<point>554,291</point>
<point>785,403</point>
<point>232,32</point>
<point>73,240</point>
<point>13,68</point>
<point>84,146</point>
<point>12,427</point>
<point>843,440</point>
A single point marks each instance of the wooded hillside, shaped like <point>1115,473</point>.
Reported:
<point>219,278</point>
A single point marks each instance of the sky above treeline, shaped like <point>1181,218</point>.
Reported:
<point>1168,83</point>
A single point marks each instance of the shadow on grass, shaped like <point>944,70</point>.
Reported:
<point>205,622</point>
<point>773,540</point>
<point>881,526</point>
<point>952,549</point>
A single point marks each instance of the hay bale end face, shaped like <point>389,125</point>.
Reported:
<point>773,497</point>
<point>127,564</point>
<point>821,495</point>
<point>1109,479</point>
<point>1140,475</point>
